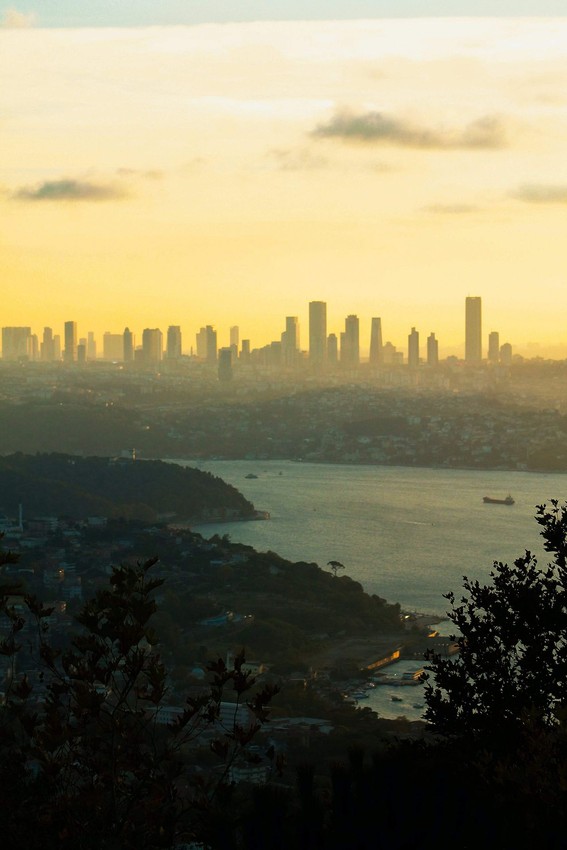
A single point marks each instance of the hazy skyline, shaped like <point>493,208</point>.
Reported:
<point>230,173</point>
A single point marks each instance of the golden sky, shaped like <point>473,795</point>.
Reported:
<point>230,173</point>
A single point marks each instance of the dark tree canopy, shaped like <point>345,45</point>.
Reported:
<point>511,670</point>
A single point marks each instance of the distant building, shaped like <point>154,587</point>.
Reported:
<point>70,337</point>
<point>317,333</point>
<point>82,351</point>
<point>350,342</point>
<point>113,347</point>
<point>152,346</point>
<point>290,341</point>
<point>46,348</point>
<point>473,329</point>
<point>376,355</point>
<point>506,354</point>
<point>432,350</point>
<point>234,341</point>
<point>332,350</point>
<point>493,347</point>
<point>207,344</point>
<point>128,345</point>
<point>91,346</point>
<point>245,351</point>
<point>225,365</point>
<point>413,349</point>
<point>173,347</point>
<point>16,343</point>
<point>389,354</point>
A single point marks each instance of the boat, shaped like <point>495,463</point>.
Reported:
<point>488,500</point>
<point>396,699</point>
<point>251,475</point>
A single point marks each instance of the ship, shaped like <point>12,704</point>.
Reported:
<point>488,500</point>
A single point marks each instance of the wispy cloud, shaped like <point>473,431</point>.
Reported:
<point>297,160</point>
<point>450,209</point>
<point>150,174</point>
<point>377,127</point>
<point>541,193</point>
<point>70,190</point>
<point>12,19</point>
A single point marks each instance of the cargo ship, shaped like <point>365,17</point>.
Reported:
<point>488,500</point>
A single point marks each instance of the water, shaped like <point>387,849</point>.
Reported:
<point>406,534</point>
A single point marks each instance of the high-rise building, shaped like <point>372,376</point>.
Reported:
<point>225,365</point>
<point>290,342</point>
<point>432,350</point>
<point>46,347</point>
<point>152,346</point>
<point>174,342</point>
<point>350,342</point>
<point>128,345</point>
<point>506,354</point>
<point>473,329</point>
<point>57,347</point>
<point>113,347</point>
<point>70,350</point>
<point>332,350</point>
<point>91,346</point>
<point>493,347</point>
<point>317,333</point>
<point>413,349</point>
<point>16,343</point>
<point>207,344</point>
<point>376,355</point>
<point>234,341</point>
<point>390,354</point>
<point>82,351</point>
<point>245,351</point>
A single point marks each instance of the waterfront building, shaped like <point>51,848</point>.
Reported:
<point>473,329</point>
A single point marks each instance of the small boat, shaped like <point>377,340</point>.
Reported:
<point>488,500</point>
<point>251,475</point>
<point>396,699</point>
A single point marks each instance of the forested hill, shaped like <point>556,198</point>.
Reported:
<point>67,485</point>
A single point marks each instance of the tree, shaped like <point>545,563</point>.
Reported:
<point>335,567</point>
<point>511,670</point>
<point>84,760</point>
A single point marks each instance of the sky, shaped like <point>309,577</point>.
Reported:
<point>229,172</point>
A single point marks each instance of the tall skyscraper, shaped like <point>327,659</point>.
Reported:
<point>152,346</point>
<point>91,346</point>
<point>47,352</point>
<point>493,347</point>
<point>290,341</point>
<point>506,354</point>
<point>317,333</point>
<point>70,337</point>
<point>473,329</point>
<point>413,349</point>
<point>112,347</point>
<point>207,344</point>
<point>245,352</point>
<point>432,350</point>
<point>332,350</point>
<point>128,344</point>
<point>16,343</point>
<point>174,342</point>
<point>376,355</point>
<point>350,342</point>
<point>225,365</point>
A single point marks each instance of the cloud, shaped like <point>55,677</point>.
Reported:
<point>450,209</point>
<point>541,193</point>
<point>297,160</point>
<point>376,127</point>
<point>150,174</point>
<point>12,19</point>
<point>70,190</point>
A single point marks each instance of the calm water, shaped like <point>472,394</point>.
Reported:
<point>407,534</point>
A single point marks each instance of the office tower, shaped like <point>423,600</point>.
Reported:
<point>70,337</point>
<point>225,365</point>
<point>57,347</point>
<point>245,351</point>
<point>234,340</point>
<point>432,350</point>
<point>506,354</point>
<point>46,347</point>
<point>91,346</point>
<point>350,342</point>
<point>290,341</point>
<point>375,357</point>
<point>413,349</point>
<point>211,344</point>
<point>113,347</point>
<point>317,333</point>
<point>173,346</point>
<point>332,350</point>
<point>82,351</point>
<point>152,346</point>
<point>390,354</point>
<point>201,340</point>
<point>128,345</point>
<point>473,330</point>
<point>493,347</point>
<point>16,343</point>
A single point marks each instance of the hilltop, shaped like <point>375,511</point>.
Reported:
<point>67,485</point>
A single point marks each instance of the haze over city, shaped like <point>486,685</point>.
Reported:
<point>227,173</point>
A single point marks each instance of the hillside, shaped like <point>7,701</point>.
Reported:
<point>66,485</point>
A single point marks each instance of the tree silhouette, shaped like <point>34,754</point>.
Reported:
<point>511,670</point>
<point>335,567</point>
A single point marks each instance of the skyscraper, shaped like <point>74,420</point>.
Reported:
<point>152,345</point>
<point>413,349</point>
<point>225,365</point>
<point>432,350</point>
<point>493,347</point>
<point>473,329</point>
<point>173,342</point>
<point>112,347</point>
<point>91,346</point>
<point>16,343</point>
<point>376,355</point>
<point>350,342</point>
<point>290,341</point>
<point>70,350</point>
<point>128,345</point>
<point>47,352</point>
<point>317,333</point>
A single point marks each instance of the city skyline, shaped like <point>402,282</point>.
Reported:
<point>220,172</point>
